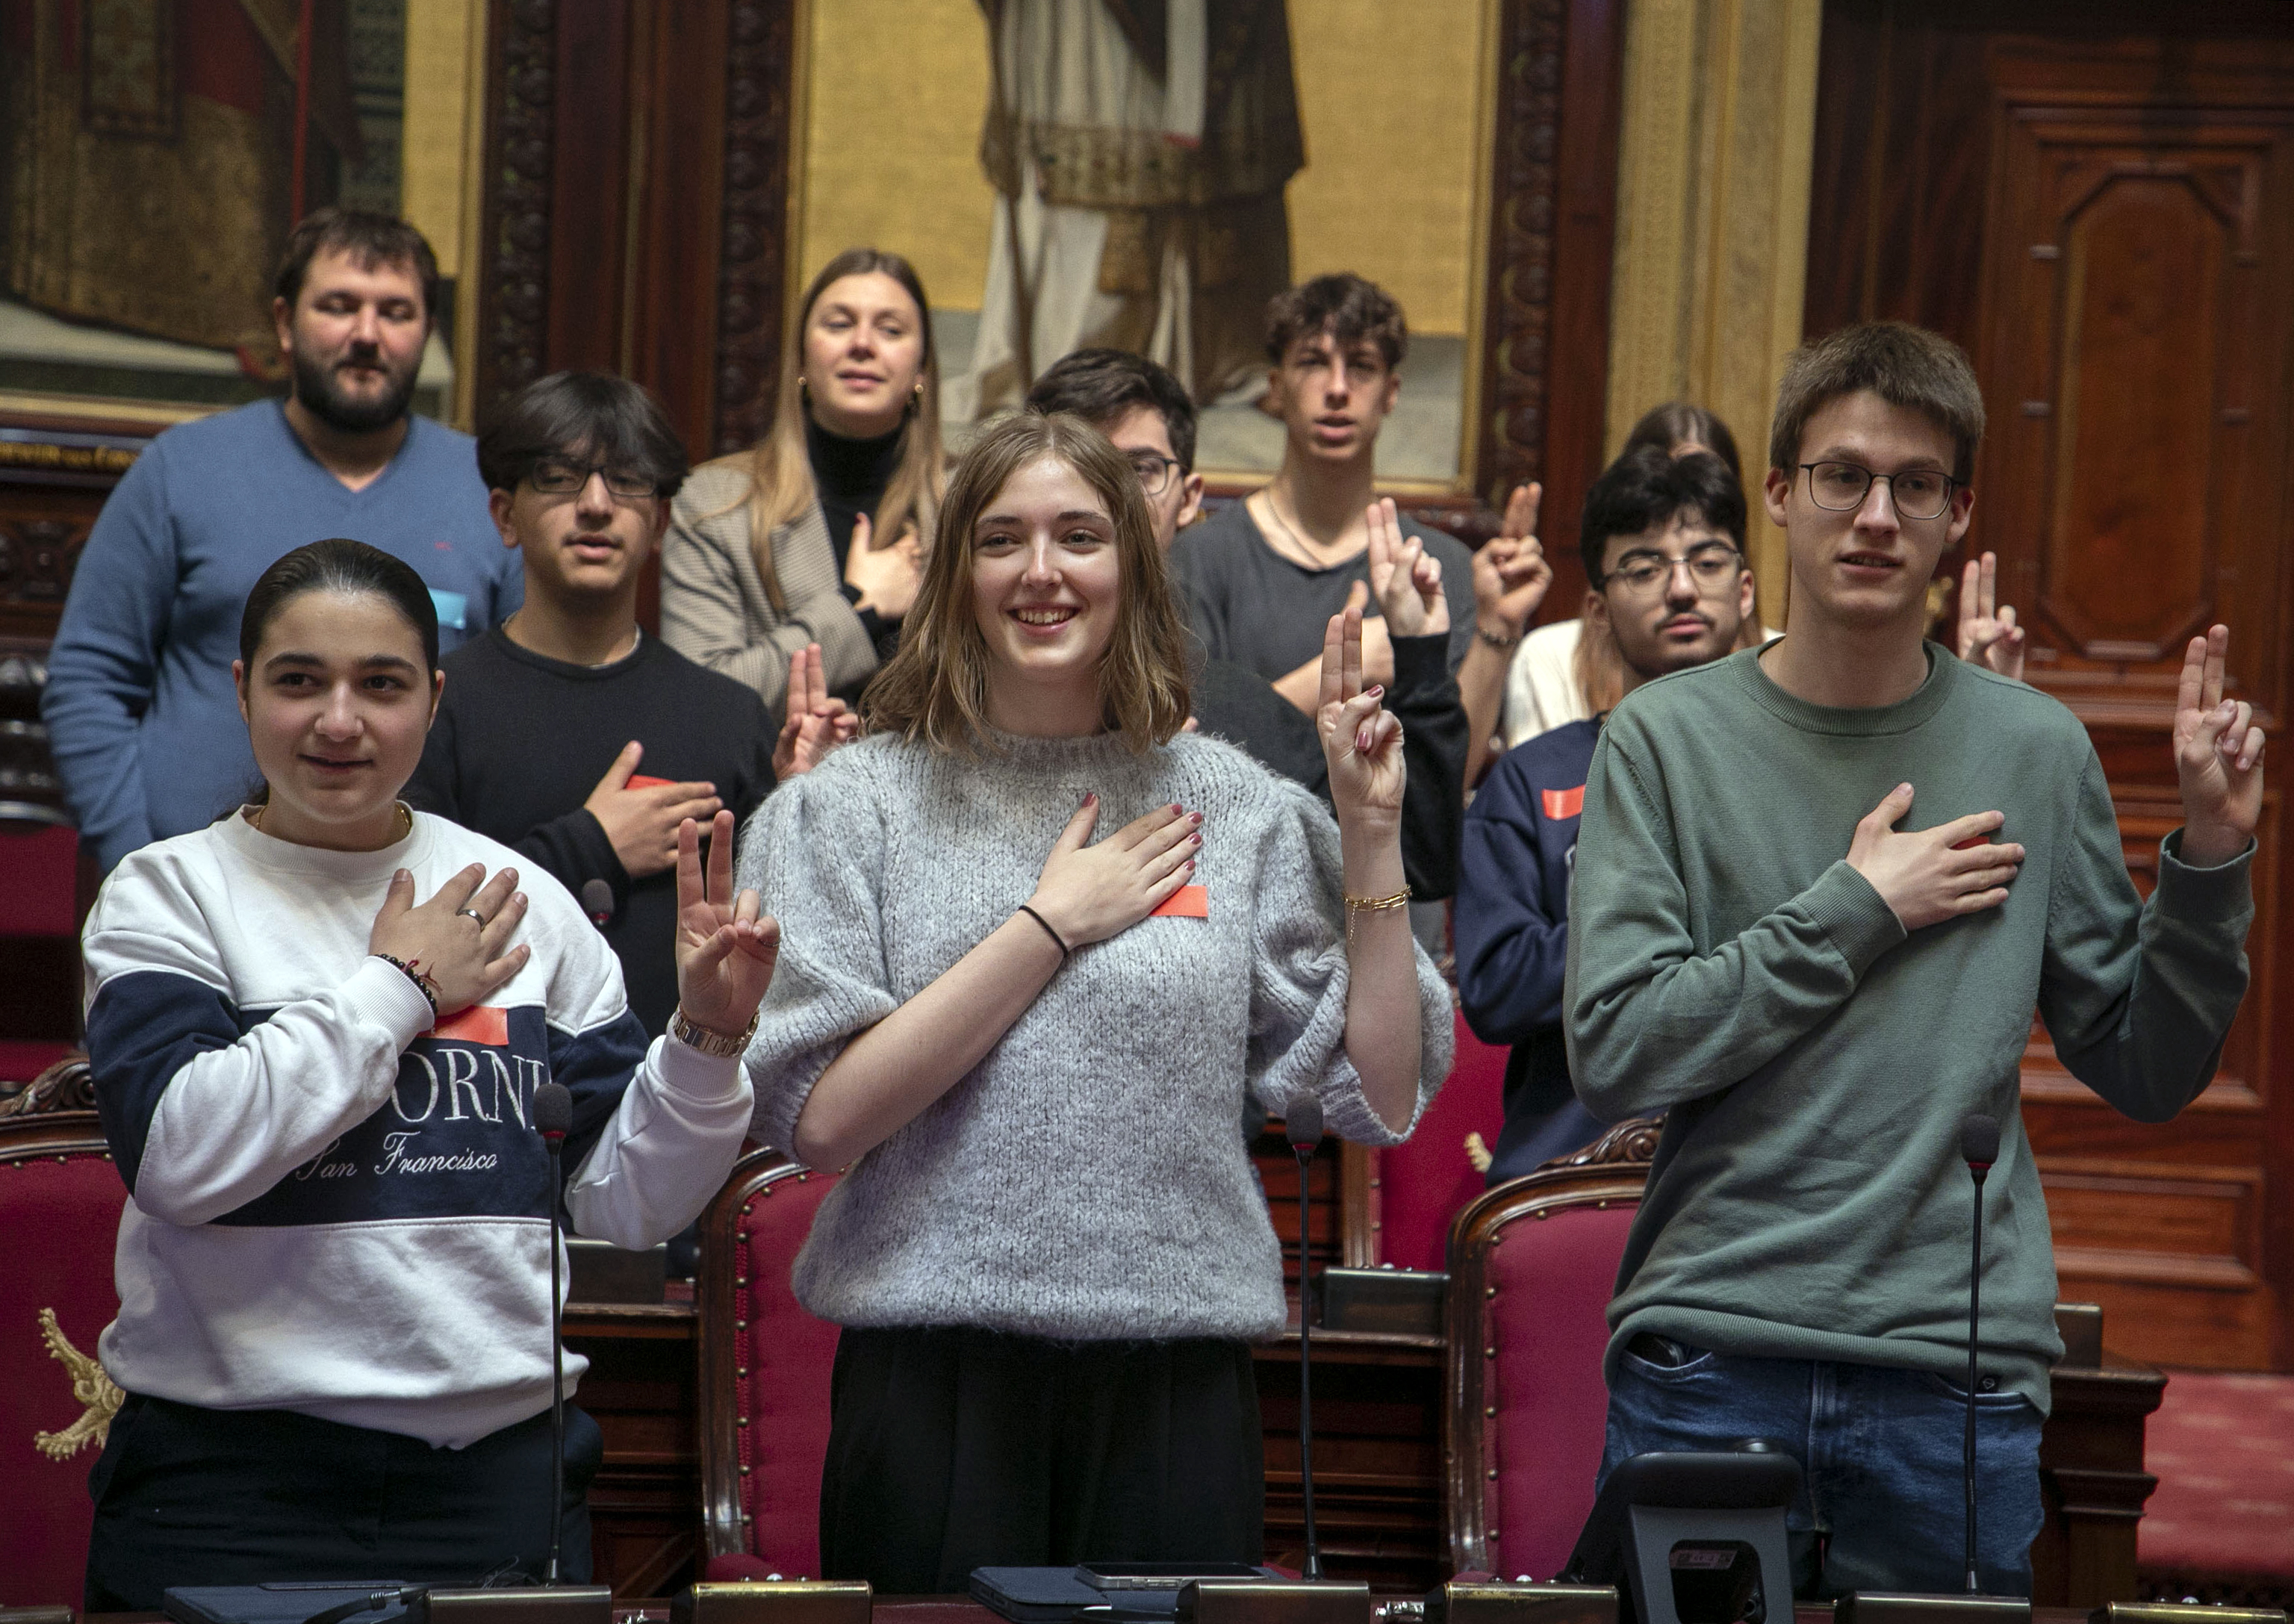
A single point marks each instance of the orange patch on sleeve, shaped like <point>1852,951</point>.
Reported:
<point>481,1023</point>
<point>1563,803</point>
<point>1188,901</point>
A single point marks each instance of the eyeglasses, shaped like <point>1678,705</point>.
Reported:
<point>1154,472</point>
<point>1712,567</point>
<point>1919,493</point>
<point>563,476</point>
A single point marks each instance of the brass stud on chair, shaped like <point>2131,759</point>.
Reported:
<point>1494,1475</point>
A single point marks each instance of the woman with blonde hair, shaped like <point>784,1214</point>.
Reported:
<point>812,534</point>
<point>1034,1051</point>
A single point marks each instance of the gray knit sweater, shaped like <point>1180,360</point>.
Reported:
<point>1089,1180</point>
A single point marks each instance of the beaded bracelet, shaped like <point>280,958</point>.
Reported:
<point>423,984</point>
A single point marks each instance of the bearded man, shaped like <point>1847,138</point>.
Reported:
<point>140,708</point>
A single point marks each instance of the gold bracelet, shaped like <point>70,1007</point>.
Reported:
<point>1378,905</point>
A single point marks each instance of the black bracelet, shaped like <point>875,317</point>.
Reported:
<point>423,984</point>
<point>1057,940</point>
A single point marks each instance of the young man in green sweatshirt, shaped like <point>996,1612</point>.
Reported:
<point>1821,887</point>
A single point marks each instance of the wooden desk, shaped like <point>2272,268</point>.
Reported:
<point>1377,1459</point>
<point>645,1506</point>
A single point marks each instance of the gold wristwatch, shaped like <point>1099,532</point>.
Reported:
<point>705,1040</point>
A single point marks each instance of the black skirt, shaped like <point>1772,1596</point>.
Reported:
<point>953,1449</point>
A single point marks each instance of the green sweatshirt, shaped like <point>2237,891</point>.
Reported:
<point>1728,968</point>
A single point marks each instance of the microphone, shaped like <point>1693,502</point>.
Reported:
<point>1978,1147</point>
<point>1302,1125</point>
<point>598,902</point>
<point>553,1115</point>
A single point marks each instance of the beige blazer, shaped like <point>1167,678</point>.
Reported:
<point>714,607</point>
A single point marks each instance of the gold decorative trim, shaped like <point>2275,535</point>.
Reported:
<point>91,1385</point>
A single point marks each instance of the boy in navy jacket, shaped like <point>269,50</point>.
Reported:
<point>1664,541</point>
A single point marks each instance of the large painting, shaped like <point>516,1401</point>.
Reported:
<point>151,169</point>
<point>1147,174</point>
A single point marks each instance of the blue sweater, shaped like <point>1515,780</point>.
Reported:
<point>139,703</point>
<point>1511,924</point>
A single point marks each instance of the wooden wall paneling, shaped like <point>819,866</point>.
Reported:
<point>753,271</point>
<point>668,318</point>
<point>1551,232</point>
<point>2135,372</point>
<point>514,242</point>
<point>596,55</point>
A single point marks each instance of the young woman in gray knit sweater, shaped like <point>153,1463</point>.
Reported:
<point>1035,1053</point>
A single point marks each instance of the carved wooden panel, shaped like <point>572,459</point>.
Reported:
<point>2135,370</point>
<point>521,123</point>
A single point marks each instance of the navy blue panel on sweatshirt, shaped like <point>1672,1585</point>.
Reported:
<point>145,1026</point>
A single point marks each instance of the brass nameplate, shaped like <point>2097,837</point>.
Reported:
<point>1521,1603</point>
<point>1891,1607</point>
<point>1264,1601</point>
<point>2182,1613</point>
<point>535,1605</point>
<point>802,1601</point>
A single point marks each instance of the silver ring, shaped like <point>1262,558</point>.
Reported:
<point>471,913</point>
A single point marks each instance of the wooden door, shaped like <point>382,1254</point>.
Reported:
<point>2104,218</point>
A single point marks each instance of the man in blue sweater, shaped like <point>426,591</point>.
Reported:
<point>1664,543</point>
<point>140,708</point>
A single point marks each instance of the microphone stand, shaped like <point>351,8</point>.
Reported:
<point>1302,1127</point>
<point>1978,1146</point>
<point>553,1115</point>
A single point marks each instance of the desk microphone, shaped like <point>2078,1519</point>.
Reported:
<point>1302,1127</point>
<point>1979,1147</point>
<point>598,902</point>
<point>553,1115</point>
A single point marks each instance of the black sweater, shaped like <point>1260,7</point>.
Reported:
<point>851,477</point>
<point>1235,703</point>
<point>521,740</point>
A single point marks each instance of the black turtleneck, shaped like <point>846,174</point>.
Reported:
<point>851,477</point>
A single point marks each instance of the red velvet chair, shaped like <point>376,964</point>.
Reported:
<point>765,1364</point>
<point>1418,1186</point>
<point>1531,1263</point>
<point>60,1203</point>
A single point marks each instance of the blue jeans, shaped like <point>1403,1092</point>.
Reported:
<point>1881,1505</point>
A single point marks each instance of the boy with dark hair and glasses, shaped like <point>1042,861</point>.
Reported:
<point>566,732</point>
<point>1664,543</point>
<point>1822,889</point>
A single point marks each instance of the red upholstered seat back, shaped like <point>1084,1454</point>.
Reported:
<point>1531,1266</point>
<point>60,1203</point>
<point>1424,1184</point>
<point>1548,1320</point>
<point>780,1356</point>
<point>39,870</point>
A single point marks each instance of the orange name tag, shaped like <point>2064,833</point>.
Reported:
<point>1188,901</point>
<point>646,781</point>
<point>481,1023</point>
<point>1559,803</point>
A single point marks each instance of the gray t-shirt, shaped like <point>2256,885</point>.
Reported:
<point>1252,606</point>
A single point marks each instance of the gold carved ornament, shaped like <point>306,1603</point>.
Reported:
<point>91,1386</point>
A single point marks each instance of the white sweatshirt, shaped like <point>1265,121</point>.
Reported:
<point>335,1209</point>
